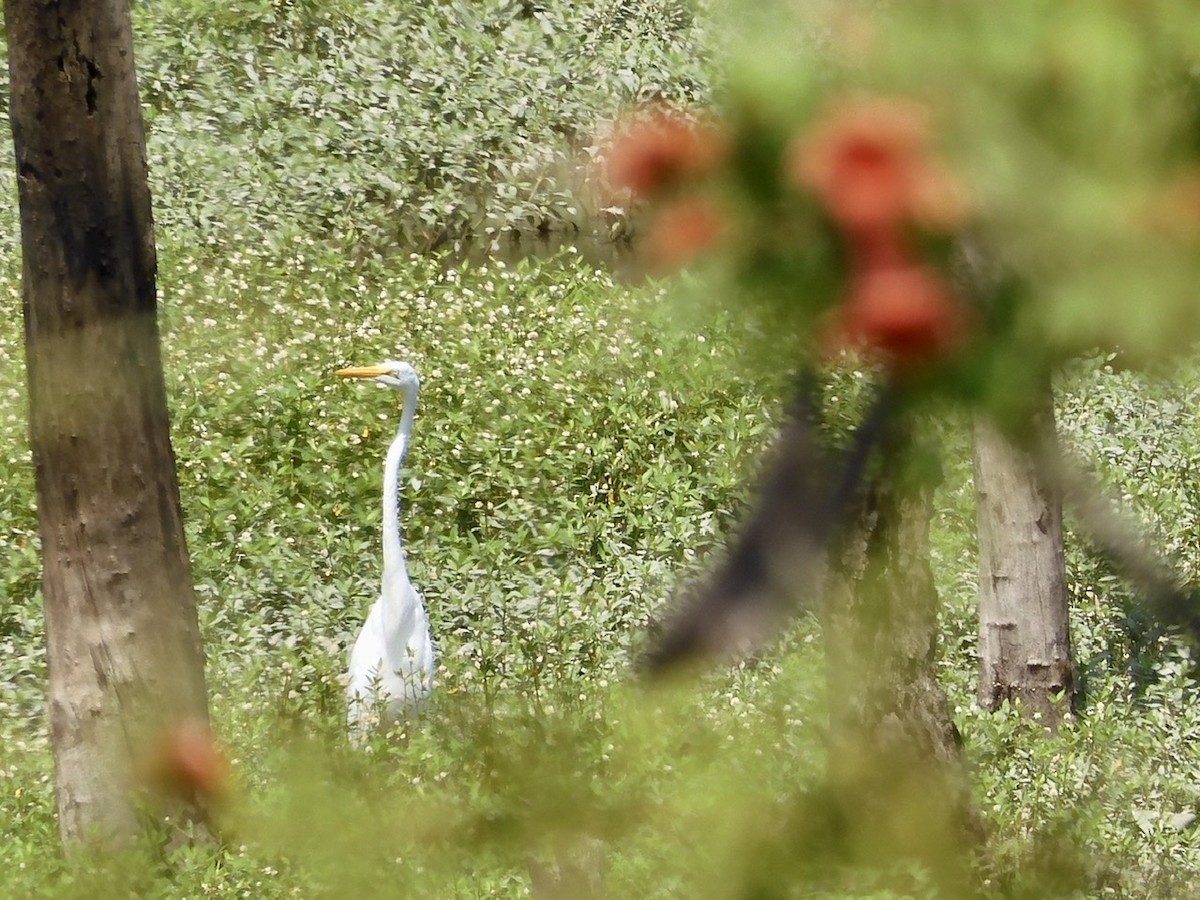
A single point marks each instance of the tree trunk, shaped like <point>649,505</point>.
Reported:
<point>897,768</point>
<point>123,644</point>
<point>1024,627</point>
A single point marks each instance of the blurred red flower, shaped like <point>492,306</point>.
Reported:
<point>1173,211</point>
<point>883,248</point>
<point>189,761</point>
<point>681,232</point>
<point>656,149</point>
<point>868,162</point>
<point>908,314</point>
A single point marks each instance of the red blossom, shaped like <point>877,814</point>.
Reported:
<point>907,314</point>
<point>868,162</point>
<point>883,248</point>
<point>656,150</point>
<point>681,232</point>
<point>189,761</point>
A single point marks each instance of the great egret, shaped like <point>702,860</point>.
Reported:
<point>391,665</point>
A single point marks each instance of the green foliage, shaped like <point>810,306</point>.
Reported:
<point>1060,137</point>
<point>562,477</point>
<point>1105,807</point>
<point>627,443</point>
<point>1073,125</point>
<point>380,125</point>
<point>395,124</point>
<point>1104,811</point>
<point>577,453</point>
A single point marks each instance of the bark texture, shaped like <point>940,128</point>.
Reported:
<point>897,768</point>
<point>123,642</point>
<point>1024,626</point>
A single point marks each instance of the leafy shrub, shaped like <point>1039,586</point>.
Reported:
<point>383,124</point>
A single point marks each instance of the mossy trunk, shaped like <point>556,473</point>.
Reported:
<point>897,770</point>
<point>123,644</point>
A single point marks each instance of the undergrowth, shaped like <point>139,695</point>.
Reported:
<point>580,449</point>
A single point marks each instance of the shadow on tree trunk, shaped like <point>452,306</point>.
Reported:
<point>853,530</point>
<point>897,773</point>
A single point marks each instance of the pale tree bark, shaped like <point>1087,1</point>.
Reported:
<point>1024,625</point>
<point>897,767</point>
<point>123,645</point>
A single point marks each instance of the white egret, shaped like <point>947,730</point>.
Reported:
<point>391,665</point>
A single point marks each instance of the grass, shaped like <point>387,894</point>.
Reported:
<point>550,440</point>
<point>575,456</point>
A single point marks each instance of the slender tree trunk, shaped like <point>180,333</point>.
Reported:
<point>896,762</point>
<point>1024,626</point>
<point>123,644</point>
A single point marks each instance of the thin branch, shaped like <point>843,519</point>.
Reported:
<point>1163,590</point>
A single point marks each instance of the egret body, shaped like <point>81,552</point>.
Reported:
<point>391,665</point>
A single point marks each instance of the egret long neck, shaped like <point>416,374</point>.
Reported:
<point>393,548</point>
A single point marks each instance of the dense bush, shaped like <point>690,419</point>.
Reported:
<point>401,124</point>
<point>380,125</point>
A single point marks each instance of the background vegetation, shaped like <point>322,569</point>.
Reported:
<point>385,124</point>
<point>581,447</point>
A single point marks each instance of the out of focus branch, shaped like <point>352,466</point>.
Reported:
<point>1163,590</point>
<point>778,562</point>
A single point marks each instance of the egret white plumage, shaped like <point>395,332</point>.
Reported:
<point>391,665</point>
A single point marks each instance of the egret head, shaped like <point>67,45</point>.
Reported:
<point>393,374</point>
